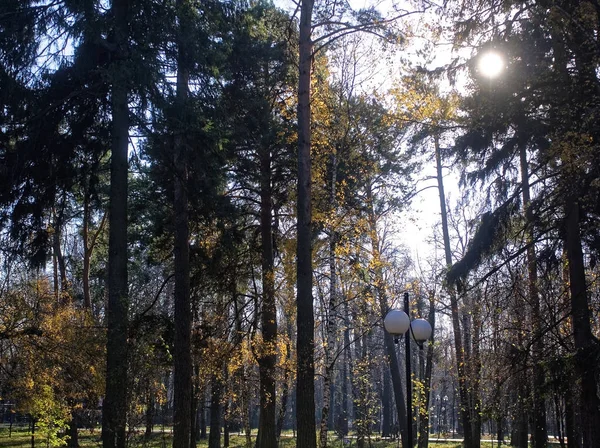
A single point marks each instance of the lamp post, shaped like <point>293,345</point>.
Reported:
<point>397,323</point>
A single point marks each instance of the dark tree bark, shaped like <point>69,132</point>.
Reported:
<point>55,283</point>
<point>214,436</point>
<point>202,434</point>
<point>500,429</point>
<point>518,436</point>
<point>539,430</point>
<point>194,412</point>
<point>331,324</point>
<point>475,372</point>
<point>358,392</point>
<point>384,308</point>
<point>60,268</point>
<point>267,434</point>
<point>586,83</point>
<point>72,432</point>
<point>558,417</point>
<point>342,421</point>
<point>305,385</point>
<point>520,391</point>
<point>386,420</point>
<point>286,386</point>
<point>585,346</point>
<point>88,247</point>
<point>87,258</point>
<point>226,427</point>
<point>571,433</point>
<point>150,406</point>
<point>225,406</point>
<point>329,366</point>
<point>32,432</point>
<point>114,408</point>
<point>390,352</point>
<point>246,416</point>
<point>182,357</point>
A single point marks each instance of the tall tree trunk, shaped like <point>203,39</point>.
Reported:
<point>60,267</point>
<point>331,324</point>
<point>586,356</point>
<point>182,357</point>
<point>463,386</point>
<point>225,406</point>
<point>226,428</point>
<point>329,365</point>
<point>500,429</point>
<point>358,389</point>
<point>476,373</point>
<point>386,409</point>
<point>61,285</point>
<point>193,412</point>
<point>114,408</point>
<point>246,402</point>
<point>540,433</point>
<point>88,247</point>
<point>519,432</point>
<point>342,423</point>
<point>267,434</point>
<point>214,436</point>
<point>72,432</point>
<point>150,407</point>
<point>197,404</point>
<point>305,384</point>
<point>558,417</point>
<point>518,436</point>
<point>390,352</point>
<point>585,346</point>
<point>286,386</point>
<point>87,299</point>
<point>56,281</point>
<point>247,427</point>
<point>384,307</point>
<point>32,432</point>
<point>573,437</point>
<point>202,433</point>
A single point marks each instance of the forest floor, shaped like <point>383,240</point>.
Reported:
<point>21,438</point>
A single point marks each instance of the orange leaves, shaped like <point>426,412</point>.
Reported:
<point>55,357</point>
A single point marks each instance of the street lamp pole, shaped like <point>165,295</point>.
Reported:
<point>396,323</point>
<point>409,418</point>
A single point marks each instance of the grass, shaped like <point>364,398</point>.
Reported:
<point>21,438</point>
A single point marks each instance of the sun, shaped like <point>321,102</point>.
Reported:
<point>490,64</point>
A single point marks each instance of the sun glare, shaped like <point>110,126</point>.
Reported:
<point>490,64</point>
